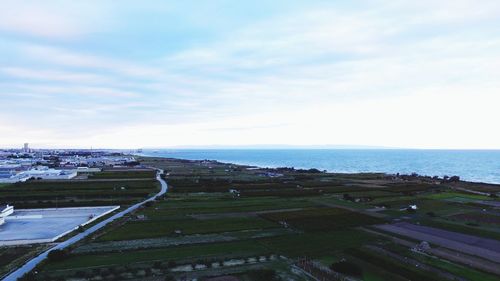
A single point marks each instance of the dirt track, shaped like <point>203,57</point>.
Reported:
<point>447,254</point>
<point>468,244</point>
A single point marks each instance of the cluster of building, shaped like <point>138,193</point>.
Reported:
<point>26,163</point>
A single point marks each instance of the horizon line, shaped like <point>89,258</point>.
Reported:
<point>251,147</point>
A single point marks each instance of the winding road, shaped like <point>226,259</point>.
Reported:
<point>27,267</point>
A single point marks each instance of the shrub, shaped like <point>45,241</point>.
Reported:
<point>169,278</point>
<point>27,277</point>
<point>347,268</point>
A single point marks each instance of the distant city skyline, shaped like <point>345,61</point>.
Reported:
<point>124,74</point>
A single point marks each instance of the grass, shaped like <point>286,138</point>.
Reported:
<point>452,195</point>
<point>462,228</point>
<point>392,265</point>
<point>470,274</point>
<point>12,257</point>
<point>341,202</point>
<point>317,245</point>
<point>220,203</point>
<point>151,174</point>
<point>372,276</point>
<point>215,250</point>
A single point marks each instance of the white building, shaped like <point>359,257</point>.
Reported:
<point>45,173</point>
<point>87,170</point>
<point>5,210</point>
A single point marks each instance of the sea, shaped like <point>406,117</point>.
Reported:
<point>469,165</point>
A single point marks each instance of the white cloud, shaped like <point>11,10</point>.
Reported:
<point>44,90</point>
<point>59,56</point>
<point>50,19</point>
<point>52,75</point>
<point>420,74</point>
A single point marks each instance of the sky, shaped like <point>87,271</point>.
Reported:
<point>132,74</point>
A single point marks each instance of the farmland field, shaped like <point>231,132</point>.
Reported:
<point>11,257</point>
<point>69,193</point>
<point>322,219</point>
<point>221,217</point>
<point>150,229</point>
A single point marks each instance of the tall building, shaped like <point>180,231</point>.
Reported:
<point>26,147</point>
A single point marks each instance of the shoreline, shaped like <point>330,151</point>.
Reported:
<point>493,184</point>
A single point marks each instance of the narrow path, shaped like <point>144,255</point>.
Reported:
<point>361,211</point>
<point>471,191</point>
<point>27,267</point>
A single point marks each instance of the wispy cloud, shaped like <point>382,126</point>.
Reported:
<point>334,72</point>
<point>50,19</point>
<point>52,75</point>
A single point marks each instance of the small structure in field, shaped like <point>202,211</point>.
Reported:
<point>409,208</point>
<point>234,192</point>
<point>422,246</point>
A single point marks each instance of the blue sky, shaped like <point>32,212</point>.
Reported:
<point>127,74</point>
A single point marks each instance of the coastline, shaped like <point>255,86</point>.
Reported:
<point>250,157</point>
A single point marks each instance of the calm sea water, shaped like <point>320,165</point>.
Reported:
<point>471,165</point>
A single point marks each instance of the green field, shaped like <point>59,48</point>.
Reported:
<point>12,257</point>
<point>66,193</point>
<point>220,203</point>
<point>470,274</point>
<point>322,219</point>
<point>285,212</point>
<point>132,174</point>
<point>453,195</point>
<point>151,229</point>
<point>317,245</point>
<point>204,251</point>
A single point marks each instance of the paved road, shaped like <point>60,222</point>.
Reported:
<point>27,267</point>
